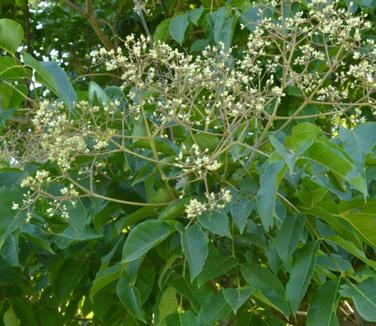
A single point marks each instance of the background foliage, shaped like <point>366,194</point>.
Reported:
<point>296,245</point>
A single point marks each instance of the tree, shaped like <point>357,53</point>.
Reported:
<point>222,184</point>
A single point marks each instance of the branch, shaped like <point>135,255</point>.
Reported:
<point>92,20</point>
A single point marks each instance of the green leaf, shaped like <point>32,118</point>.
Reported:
<point>288,237</point>
<point>173,210</point>
<point>144,237</point>
<point>241,208</point>
<point>11,69</point>
<point>301,274</point>
<point>97,95</point>
<point>352,249</point>
<point>68,277</point>
<point>11,35</point>
<point>266,196</point>
<point>236,297</point>
<point>168,303</point>
<point>161,32</point>
<point>42,74</point>
<point>216,222</point>
<point>10,318</point>
<point>364,297</point>
<point>359,141</point>
<point>178,26</point>
<point>194,242</point>
<point>302,133</point>
<point>162,145</point>
<point>289,158</point>
<point>269,288</point>
<point>65,89</point>
<point>363,220</point>
<point>11,96</point>
<point>130,297</point>
<point>323,305</point>
<point>182,319</point>
<point>194,15</point>
<point>10,251</point>
<point>216,265</point>
<point>104,277</point>
<point>216,308</point>
<point>328,155</point>
<point>205,141</point>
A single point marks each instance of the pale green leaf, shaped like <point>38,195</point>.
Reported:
<point>168,303</point>
<point>11,35</point>
<point>10,318</point>
<point>144,237</point>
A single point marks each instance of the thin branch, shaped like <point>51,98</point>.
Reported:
<point>92,20</point>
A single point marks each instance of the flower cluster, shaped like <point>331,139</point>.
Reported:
<point>195,208</point>
<point>189,119</point>
<point>197,162</point>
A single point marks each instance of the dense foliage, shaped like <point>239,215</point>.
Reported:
<point>213,165</point>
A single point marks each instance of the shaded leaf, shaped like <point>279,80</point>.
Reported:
<point>266,196</point>
<point>194,242</point>
<point>269,288</point>
<point>323,305</point>
<point>216,308</point>
<point>288,236</point>
<point>363,296</point>
<point>301,274</point>
<point>130,297</point>
<point>216,222</point>
<point>236,297</point>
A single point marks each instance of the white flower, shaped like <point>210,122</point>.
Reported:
<point>15,206</point>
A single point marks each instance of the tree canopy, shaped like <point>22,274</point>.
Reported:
<point>187,162</point>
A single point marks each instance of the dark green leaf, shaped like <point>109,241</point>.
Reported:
<point>105,276</point>
<point>182,319</point>
<point>241,208</point>
<point>215,309</point>
<point>266,196</point>
<point>130,297</point>
<point>236,297</point>
<point>288,237</point>
<point>323,305</point>
<point>216,222</point>
<point>65,89</point>
<point>178,26</point>
<point>194,242</point>
<point>363,296</point>
<point>269,288</point>
<point>215,266</point>
<point>301,274</point>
